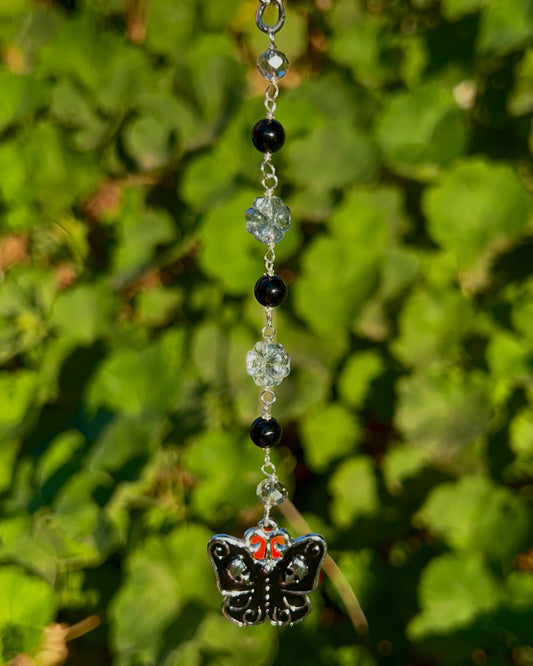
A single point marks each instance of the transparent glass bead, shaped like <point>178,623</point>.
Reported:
<point>272,64</point>
<point>268,219</point>
<point>271,492</point>
<point>268,363</point>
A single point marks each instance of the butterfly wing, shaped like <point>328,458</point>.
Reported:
<point>239,579</point>
<point>294,577</point>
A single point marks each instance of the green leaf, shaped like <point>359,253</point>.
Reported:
<point>216,636</point>
<point>522,314</point>
<point>354,488</point>
<point>455,589</point>
<point>370,49</point>
<point>170,24</point>
<point>157,307</point>
<point>211,176</point>
<point>222,494</point>
<point>354,655</point>
<point>443,412</point>
<point>64,175</point>
<point>359,372</point>
<point>148,142</point>
<point>21,97</point>
<point>142,230</point>
<point>213,82</point>
<point>475,204</point>
<point>331,156</point>
<point>521,434</point>
<point>141,381</point>
<point>475,515</point>
<point>18,391</point>
<point>521,97</point>
<point>99,59</point>
<point>509,360</point>
<point>7,460</point>
<point>422,131</point>
<point>126,443</point>
<point>328,432</point>
<point>329,301</point>
<point>520,590</point>
<point>226,243</point>
<point>505,27</point>
<point>17,616</point>
<point>433,326</point>
<point>456,9</point>
<point>78,515</point>
<point>82,313</point>
<point>400,463</point>
<point>362,572</point>
<point>162,576</point>
<point>60,450</point>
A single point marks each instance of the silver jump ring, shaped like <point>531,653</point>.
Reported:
<point>270,29</point>
<point>269,470</point>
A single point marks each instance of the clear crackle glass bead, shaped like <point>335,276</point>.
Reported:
<point>271,492</point>
<point>268,219</point>
<point>268,363</point>
<point>272,64</point>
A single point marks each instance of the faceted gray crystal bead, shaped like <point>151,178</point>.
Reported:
<point>268,363</point>
<point>238,571</point>
<point>271,492</point>
<point>296,571</point>
<point>268,219</point>
<point>272,64</point>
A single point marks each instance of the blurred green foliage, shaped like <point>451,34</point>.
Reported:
<point>126,312</point>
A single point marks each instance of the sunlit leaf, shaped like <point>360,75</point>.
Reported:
<point>328,433</point>
<point>453,591</point>
<point>443,413</point>
<point>137,381</point>
<point>422,130</point>
<point>355,491</point>
<point>476,203</point>
<point>474,515</point>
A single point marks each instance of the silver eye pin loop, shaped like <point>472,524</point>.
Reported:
<point>270,30</point>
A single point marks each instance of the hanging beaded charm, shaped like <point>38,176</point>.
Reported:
<point>266,575</point>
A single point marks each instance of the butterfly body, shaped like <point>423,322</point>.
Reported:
<point>266,576</point>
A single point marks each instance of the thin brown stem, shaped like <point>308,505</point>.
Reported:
<point>332,570</point>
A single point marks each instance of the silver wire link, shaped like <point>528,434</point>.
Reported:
<point>270,258</point>
<point>269,180</point>
<point>269,332</point>
<point>268,398</point>
<point>270,30</point>
<point>268,468</point>
<point>271,95</point>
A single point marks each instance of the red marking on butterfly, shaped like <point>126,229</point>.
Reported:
<point>276,552</point>
<point>259,554</point>
<point>273,546</point>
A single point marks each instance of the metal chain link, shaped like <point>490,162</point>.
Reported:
<point>271,95</point>
<point>269,332</point>
<point>269,465</point>
<point>270,30</point>
<point>268,398</point>
<point>269,180</point>
<point>270,258</point>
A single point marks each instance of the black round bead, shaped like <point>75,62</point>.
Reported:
<point>270,291</point>
<point>265,433</point>
<point>268,135</point>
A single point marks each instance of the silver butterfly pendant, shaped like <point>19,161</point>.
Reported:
<point>266,576</point>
